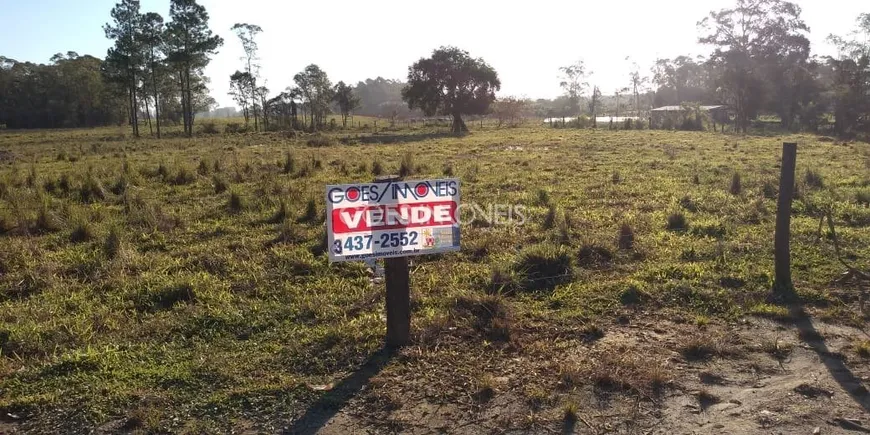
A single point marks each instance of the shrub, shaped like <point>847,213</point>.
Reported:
<point>543,266</point>
<point>736,185</point>
<point>626,237</point>
<point>377,168</point>
<point>320,141</point>
<point>677,222</point>
<point>235,127</point>
<point>406,167</point>
<point>813,179</point>
<point>209,128</point>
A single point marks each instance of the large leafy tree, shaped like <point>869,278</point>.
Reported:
<point>124,59</point>
<point>679,80</point>
<point>240,90</point>
<point>851,79</point>
<point>451,83</point>
<point>346,100</point>
<point>152,41</point>
<point>750,39</point>
<point>189,43</point>
<point>316,90</point>
<point>573,82</point>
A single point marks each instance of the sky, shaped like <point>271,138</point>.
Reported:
<point>526,42</point>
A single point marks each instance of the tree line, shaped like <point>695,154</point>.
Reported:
<point>760,64</point>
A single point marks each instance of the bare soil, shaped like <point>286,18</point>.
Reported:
<point>755,376</point>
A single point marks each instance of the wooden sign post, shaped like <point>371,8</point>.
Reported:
<point>782,249</point>
<point>397,278</point>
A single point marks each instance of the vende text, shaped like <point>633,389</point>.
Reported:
<point>393,216</point>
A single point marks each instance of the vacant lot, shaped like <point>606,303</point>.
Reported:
<point>180,285</point>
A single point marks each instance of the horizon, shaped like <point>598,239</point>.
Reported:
<point>387,54</point>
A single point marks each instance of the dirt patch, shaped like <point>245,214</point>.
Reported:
<point>634,379</point>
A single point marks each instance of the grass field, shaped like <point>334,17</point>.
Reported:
<point>180,285</point>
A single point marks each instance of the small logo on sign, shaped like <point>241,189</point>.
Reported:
<point>428,240</point>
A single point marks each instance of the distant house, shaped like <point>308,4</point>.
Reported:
<point>670,117</point>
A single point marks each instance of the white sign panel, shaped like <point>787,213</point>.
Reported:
<point>392,219</point>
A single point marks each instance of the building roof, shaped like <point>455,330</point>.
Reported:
<point>681,108</point>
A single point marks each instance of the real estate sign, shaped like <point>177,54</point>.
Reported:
<point>392,219</point>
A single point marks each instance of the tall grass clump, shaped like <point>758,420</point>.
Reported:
<point>626,237</point>
<point>203,169</point>
<point>183,176</point>
<point>91,190</point>
<point>82,231</point>
<point>543,266</point>
<point>813,179</point>
<point>677,222</point>
<point>406,167</point>
<point>736,184</point>
<point>377,168</point>
<point>310,214</point>
<point>236,202</point>
<point>220,185</point>
<point>280,214</point>
<point>549,218</point>
<point>289,163</point>
<point>45,221</point>
<point>112,244</point>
